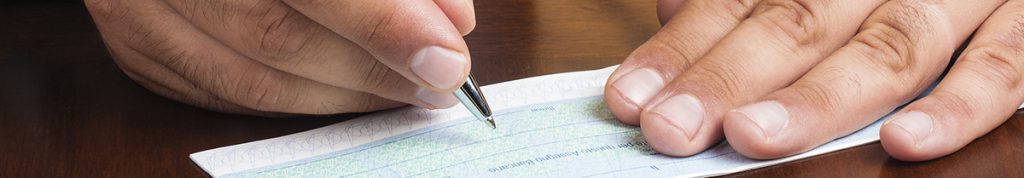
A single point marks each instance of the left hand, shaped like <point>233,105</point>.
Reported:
<point>781,77</point>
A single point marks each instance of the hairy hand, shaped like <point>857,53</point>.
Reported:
<point>291,56</point>
<point>780,77</point>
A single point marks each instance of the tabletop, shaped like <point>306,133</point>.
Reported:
<point>67,110</point>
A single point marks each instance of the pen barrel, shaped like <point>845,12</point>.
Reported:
<point>471,97</point>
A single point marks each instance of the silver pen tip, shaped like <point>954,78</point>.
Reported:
<point>490,122</point>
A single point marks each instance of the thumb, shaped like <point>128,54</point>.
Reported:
<point>413,38</point>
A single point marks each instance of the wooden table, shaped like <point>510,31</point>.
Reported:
<point>66,110</point>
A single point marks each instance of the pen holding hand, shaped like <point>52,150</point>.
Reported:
<point>292,57</point>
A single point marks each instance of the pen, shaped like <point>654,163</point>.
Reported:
<point>470,96</point>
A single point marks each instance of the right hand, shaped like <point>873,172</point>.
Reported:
<point>291,56</point>
<point>781,77</point>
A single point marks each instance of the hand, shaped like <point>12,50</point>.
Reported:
<point>780,77</point>
<point>291,56</point>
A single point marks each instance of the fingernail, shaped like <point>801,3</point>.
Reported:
<point>685,111</point>
<point>640,85</point>
<point>439,67</point>
<point>917,124</point>
<point>770,116</point>
<point>436,100</point>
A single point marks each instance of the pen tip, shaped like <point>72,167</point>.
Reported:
<point>490,122</point>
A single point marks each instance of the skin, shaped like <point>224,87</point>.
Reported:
<point>278,58</point>
<point>773,77</point>
<point>779,77</point>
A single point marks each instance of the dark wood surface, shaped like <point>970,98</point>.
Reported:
<point>66,110</point>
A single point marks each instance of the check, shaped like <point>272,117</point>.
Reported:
<point>550,126</point>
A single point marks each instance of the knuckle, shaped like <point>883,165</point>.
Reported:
<point>885,46</point>
<point>1012,40</point>
<point>739,9</point>
<point>141,37</point>
<point>380,23</point>
<point>994,64</point>
<point>725,80</point>
<point>262,92</point>
<point>185,63</point>
<point>794,18</point>
<point>958,104</point>
<point>889,41</point>
<point>190,8</point>
<point>145,36</point>
<point>830,93</point>
<point>914,17</point>
<point>176,88</point>
<point>226,13</point>
<point>380,79</point>
<point>1015,39</point>
<point>282,34</point>
<point>189,67</point>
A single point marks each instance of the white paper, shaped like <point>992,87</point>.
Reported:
<point>329,151</point>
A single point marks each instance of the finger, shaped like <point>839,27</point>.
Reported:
<point>781,40</point>
<point>667,9</point>
<point>142,69</point>
<point>165,82</point>
<point>289,41</point>
<point>899,51</point>
<point>981,91</point>
<point>414,38</point>
<point>695,29</point>
<point>460,12</point>
<point>158,32</point>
